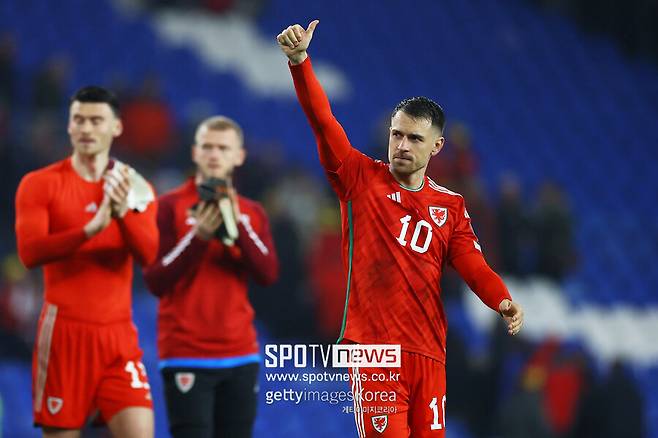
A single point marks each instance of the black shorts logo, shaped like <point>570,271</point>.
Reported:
<point>184,381</point>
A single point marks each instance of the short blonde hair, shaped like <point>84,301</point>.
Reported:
<point>220,123</point>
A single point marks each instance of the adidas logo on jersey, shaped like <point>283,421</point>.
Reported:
<point>394,196</point>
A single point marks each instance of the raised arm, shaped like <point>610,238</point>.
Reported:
<point>333,144</point>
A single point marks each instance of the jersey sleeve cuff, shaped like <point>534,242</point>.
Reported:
<point>302,67</point>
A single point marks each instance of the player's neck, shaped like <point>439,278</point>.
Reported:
<point>200,177</point>
<point>411,181</point>
<point>90,167</point>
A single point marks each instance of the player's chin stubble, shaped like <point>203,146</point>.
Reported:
<point>405,168</point>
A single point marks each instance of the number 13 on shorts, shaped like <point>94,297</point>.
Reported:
<point>434,406</point>
<point>137,374</point>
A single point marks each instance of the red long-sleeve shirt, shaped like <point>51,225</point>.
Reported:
<point>204,310</point>
<point>89,279</point>
<point>396,240</point>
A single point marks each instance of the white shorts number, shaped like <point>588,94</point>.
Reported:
<point>436,424</point>
<point>137,371</point>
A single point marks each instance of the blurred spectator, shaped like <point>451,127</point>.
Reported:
<point>631,22</point>
<point>456,166</point>
<point>7,110</point>
<point>514,237</point>
<point>296,204</point>
<point>148,122</point>
<point>218,6</point>
<point>458,375</point>
<point>166,178</point>
<point>473,402</point>
<point>566,382</point>
<point>7,74</point>
<point>299,196</point>
<point>326,273</point>
<point>47,141</point>
<point>523,414</point>
<point>564,389</point>
<point>614,409</point>
<point>452,285</point>
<point>377,147</point>
<point>50,84</point>
<point>464,160</point>
<point>483,218</point>
<point>263,168</point>
<point>190,4</point>
<point>586,421</point>
<point>20,302</point>
<point>553,224</point>
<point>275,305</point>
<point>247,8</point>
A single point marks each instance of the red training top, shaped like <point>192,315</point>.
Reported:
<point>204,309</point>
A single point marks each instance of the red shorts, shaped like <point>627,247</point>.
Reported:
<point>400,402</point>
<point>80,369</point>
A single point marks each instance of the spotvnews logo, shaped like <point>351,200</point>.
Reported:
<point>336,356</point>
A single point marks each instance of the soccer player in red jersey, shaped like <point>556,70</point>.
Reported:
<point>399,229</point>
<point>74,218</point>
<point>206,337</point>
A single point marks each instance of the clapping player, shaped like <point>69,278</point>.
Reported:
<point>212,240</point>
<point>84,220</point>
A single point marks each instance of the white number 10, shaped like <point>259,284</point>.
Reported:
<point>436,424</point>
<point>414,238</point>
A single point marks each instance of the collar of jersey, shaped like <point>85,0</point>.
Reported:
<point>418,189</point>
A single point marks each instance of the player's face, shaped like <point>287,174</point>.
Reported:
<point>411,143</point>
<point>92,127</point>
<point>217,153</point>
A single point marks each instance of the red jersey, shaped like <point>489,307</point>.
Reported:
<point>204,310</point>
<point>88,279</point>
<point>396,240</point>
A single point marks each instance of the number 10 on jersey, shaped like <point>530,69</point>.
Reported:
<point>402,238</point>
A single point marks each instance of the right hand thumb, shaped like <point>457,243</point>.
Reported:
<point>311,26</point>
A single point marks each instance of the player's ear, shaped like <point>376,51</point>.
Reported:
<point>193,153</point>
<point>118,128</point>
<point>438,145</point>
<point>241,156</point>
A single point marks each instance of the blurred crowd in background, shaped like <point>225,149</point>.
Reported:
<point>632,23</point>
<point>552,389</point>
